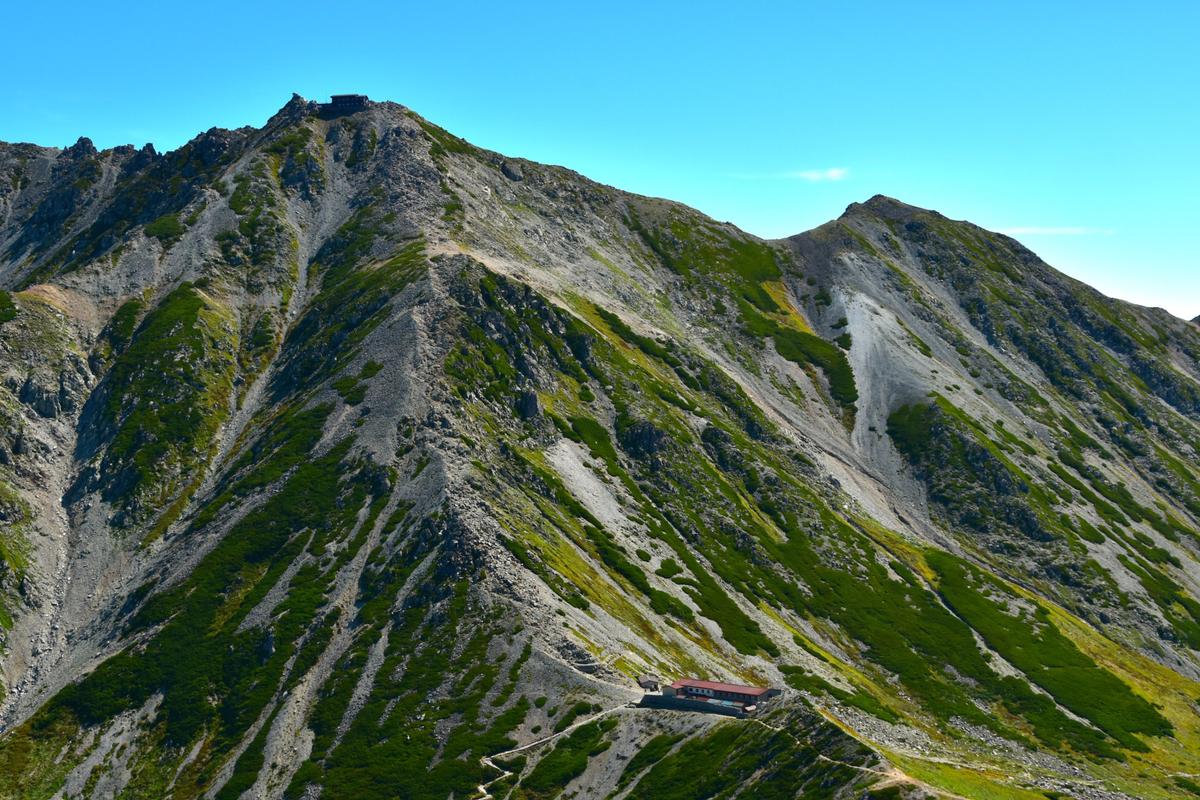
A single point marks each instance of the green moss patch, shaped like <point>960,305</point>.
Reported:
<point>167,229</point>
<point>199,656</point>
<point>750,760</point>
<point>1031,642</point>
<point>390,747</point>
<point>805,348</point>
<point>800,678</point>
<point>8,309</point>
<point>165,397</point>
<point>14,545</point>
<point>354,299</point>
<point>565,762</point>
<point>968,478</point>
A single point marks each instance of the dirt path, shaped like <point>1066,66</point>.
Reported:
<point>890,776</point>
<point>887,777</point>
<point>487,761</point>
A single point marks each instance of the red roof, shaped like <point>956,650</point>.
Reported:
<point>732,688</point>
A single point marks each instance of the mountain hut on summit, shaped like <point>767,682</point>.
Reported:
<point>345,104</point>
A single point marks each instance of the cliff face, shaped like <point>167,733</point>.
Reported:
<point>340,456</point>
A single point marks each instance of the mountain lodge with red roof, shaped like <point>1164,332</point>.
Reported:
<point>690,694</point>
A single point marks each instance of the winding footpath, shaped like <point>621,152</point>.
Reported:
<point>887,777</point>
<point>487,761</point>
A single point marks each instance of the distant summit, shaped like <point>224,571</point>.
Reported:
<point>884,207</point>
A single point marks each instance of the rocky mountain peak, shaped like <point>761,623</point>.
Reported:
<point>884,207</point>
<point>294,110</point>
<point>343,458</point>
<point>83,148</point>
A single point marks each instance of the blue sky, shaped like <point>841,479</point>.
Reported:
<point>1073,125</point>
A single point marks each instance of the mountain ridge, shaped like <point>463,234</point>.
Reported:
<point>351,409</point>
<point>297,106</point>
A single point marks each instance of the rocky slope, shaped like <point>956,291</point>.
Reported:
<point>341,458</point>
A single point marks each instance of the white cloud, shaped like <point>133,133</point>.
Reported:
<point>810,175</point>
<point>816,175</point>
<point>1035,230</point>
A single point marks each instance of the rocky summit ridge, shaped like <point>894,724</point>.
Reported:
<point>341,458</point>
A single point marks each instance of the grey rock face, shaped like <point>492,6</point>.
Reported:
<point>512,171</point>
<point>342,435</point>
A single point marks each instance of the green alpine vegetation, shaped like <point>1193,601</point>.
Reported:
<point>342,458</point>
<point>166,396</point>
